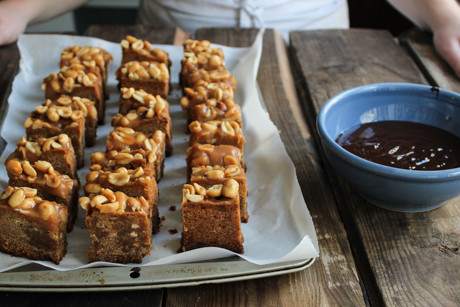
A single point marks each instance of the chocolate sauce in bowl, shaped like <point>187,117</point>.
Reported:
<point>401,144</point>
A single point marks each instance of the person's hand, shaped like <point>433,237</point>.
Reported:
<point>12,22</point>
<point>446,39</point>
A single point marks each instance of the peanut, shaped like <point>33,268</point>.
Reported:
<point>230,188</point>
<point>118,179</point>
<point>46,209</point>
<point>215,190</point>
<point>28,169</point>
<point>16,198</point>
<point>14,167</point>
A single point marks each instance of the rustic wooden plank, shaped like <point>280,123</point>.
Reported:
<point>436,70</point>
<point>332,280</point>
<point>89,299</point>
<point>405,259</point>
<point>115,33</point>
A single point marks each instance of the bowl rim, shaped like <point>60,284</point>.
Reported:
<point>383,170</point>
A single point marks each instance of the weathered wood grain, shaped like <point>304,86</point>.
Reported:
<point>406,259</point>
<point>115,33</point>
<point>436,70</point>
<point>332,280</point>
<point>83,299</point>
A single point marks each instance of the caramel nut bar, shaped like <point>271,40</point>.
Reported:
<point>134,183</point>
<point>132,99</point>
<point>77,81</point>
<point>50,185</point>
<point>217,133</point>
<point>148,121</point>
<point>61,107</point>
<point>209,176</point>
<point>222,111</point>
<point>150,76</point>
<point>211,217</point>
<point>120,226</point>
<point>200,55</point>
<point>32,227</point>
<point>48,122</point>
<point>90,57</point>
<point>126,138</point>
<point>56,150</point>
<point>206,154</point>
<point>135,49</point>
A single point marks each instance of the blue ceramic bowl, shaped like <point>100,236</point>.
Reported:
<point>384,186</point>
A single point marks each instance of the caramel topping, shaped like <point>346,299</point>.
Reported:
<point>59,125</point>
<point>42,173</point>
<point>135,70</point>
<point>143,98</point>
<point>25,201</point>
<point>107,201</point>
<point>204,46</point>
<point>228,111</point>
<point>217,171</point>
<point>119,177</point>
<point>203,92</point>
<point>87,56</point>
<point>72,76</point>
<point>202,76</point>
<point>216,133</point>
<point>116,159</point>
<point>144,48</point>
<point>197,193</point>
<point>126,138</point>
<point>223,155</point>
<point>69,108</point>
<point>32,151</point>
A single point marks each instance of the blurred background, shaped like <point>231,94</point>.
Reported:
<point>94,12</point>
<point>376,14</point>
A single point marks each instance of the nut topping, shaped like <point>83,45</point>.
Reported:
<point>230,188</point>
<point>46,209</point>
<point>84,202</point>
<point>14,167</point>
<point>17,198</point>
<point>29,192</point>
<point>52,181</point>
<point>199,189</point>
<point>7,193</point>
<point>118,179</point>
<point>28,169</point>
<point>194,197</point>
<point>232,171</point>
<point>215,190</point>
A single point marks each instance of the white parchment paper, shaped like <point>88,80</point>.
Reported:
<point>280,227</point>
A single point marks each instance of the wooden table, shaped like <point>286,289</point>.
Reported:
<point>369,256</point>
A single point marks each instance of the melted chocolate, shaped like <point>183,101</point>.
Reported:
<point>405,145</point>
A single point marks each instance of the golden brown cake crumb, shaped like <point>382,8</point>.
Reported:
<point>32,227</point>
<point>120,226</point>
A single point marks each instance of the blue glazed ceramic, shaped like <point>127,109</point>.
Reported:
<point>387,187</point>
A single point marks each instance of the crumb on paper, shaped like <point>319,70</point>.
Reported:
<point>172,208</point>
<point>173,231</point>
<point>163,218</point>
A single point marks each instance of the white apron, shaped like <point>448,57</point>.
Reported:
<point>283,15</point>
